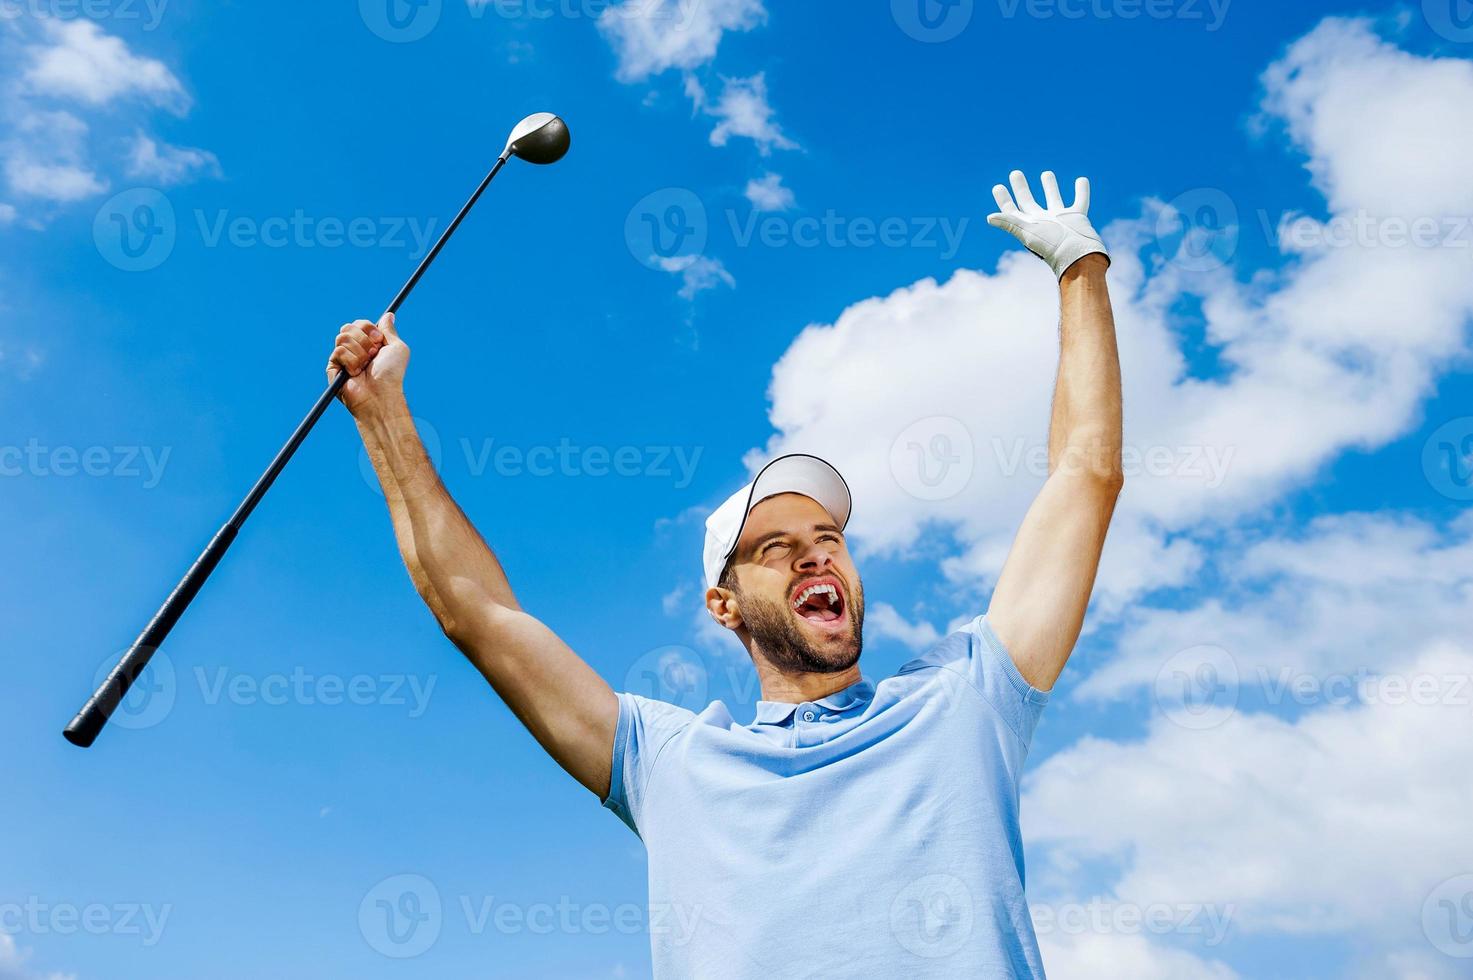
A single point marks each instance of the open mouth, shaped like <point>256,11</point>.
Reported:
<point>820,601</point>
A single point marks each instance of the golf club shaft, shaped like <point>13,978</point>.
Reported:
<point>90,720</point>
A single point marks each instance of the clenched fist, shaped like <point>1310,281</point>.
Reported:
<point>375,359</point>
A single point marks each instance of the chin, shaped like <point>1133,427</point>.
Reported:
<point>838,646</point>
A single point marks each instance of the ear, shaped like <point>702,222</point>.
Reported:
<point>723,606</point>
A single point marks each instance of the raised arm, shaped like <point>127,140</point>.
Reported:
<point>1038,606</point>
<point>563,702</point>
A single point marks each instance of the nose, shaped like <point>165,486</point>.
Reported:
<point>814,559</point>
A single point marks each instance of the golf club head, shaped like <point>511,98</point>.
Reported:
<point>540,138</point>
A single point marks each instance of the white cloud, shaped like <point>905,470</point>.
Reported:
<point>151,160</point>
<point>1113,956</point>
<point>1339,822</point>
<point>1376,119</point>
<point>652,37</point>
<point>13,965</point>
<point>1408,964</point>
<point>7,213</point>
<point>45,155</point>
<point>694,91</point>
<point>80,61</point>
<point>743,110</point>
<point>698,273</point>
<point>882,619</point>
<point>769,194</point>
<point>1342,822</point>
<point>678,598</point>
<point>1351,593</point>
<point>1333,351</point>
<point>54,182</point>
<point>46,158</point>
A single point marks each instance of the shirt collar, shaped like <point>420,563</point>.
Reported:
<point>779,712</point>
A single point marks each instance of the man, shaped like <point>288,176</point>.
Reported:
<point>850,830</point>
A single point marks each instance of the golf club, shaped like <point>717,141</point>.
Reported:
<point>541,138</point>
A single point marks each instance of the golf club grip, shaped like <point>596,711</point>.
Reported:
<point>85,727</point>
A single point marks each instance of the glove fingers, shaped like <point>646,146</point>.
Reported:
<point>1081,195</point>
<point>1024,196</point>
<point>1003,198</point>
<point>1051,196</point>
<point>1003,221</point>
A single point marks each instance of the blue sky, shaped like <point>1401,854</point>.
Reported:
<point>769,235</point>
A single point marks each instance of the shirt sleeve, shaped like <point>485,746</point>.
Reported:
<point>976,654</point>
<point>992,671</point>
<point>645,727</point>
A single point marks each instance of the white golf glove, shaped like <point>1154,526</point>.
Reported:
<point>1060,236</point>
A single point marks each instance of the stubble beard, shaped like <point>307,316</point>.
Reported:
<point>782,641</point>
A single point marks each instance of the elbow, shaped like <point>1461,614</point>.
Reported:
<point>467,614</point>
<point>455,613</point>
<point>1103,483</point>
<point>1094,458</point>
<point>461,627</point>
<point>464,632</point>
<point>1108,472</point>
<point>455,630</point>
<point>455,627</point>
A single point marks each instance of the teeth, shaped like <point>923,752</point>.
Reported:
<point>812,590</point>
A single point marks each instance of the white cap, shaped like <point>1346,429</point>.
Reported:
<point>795,473</point>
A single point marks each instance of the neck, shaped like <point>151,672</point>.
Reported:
<point>795,688</point>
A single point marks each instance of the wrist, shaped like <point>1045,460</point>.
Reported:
<point>380,411</point>
<point>1088,268</point>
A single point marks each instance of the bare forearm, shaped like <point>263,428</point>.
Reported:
<point>563,702</point>
<point>1085,429</point>
<point>451,565</point>
<point>394,498</point>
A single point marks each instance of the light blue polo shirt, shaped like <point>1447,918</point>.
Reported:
<point>871,833</point>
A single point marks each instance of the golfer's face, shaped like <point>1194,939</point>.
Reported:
<point>792,556</point>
